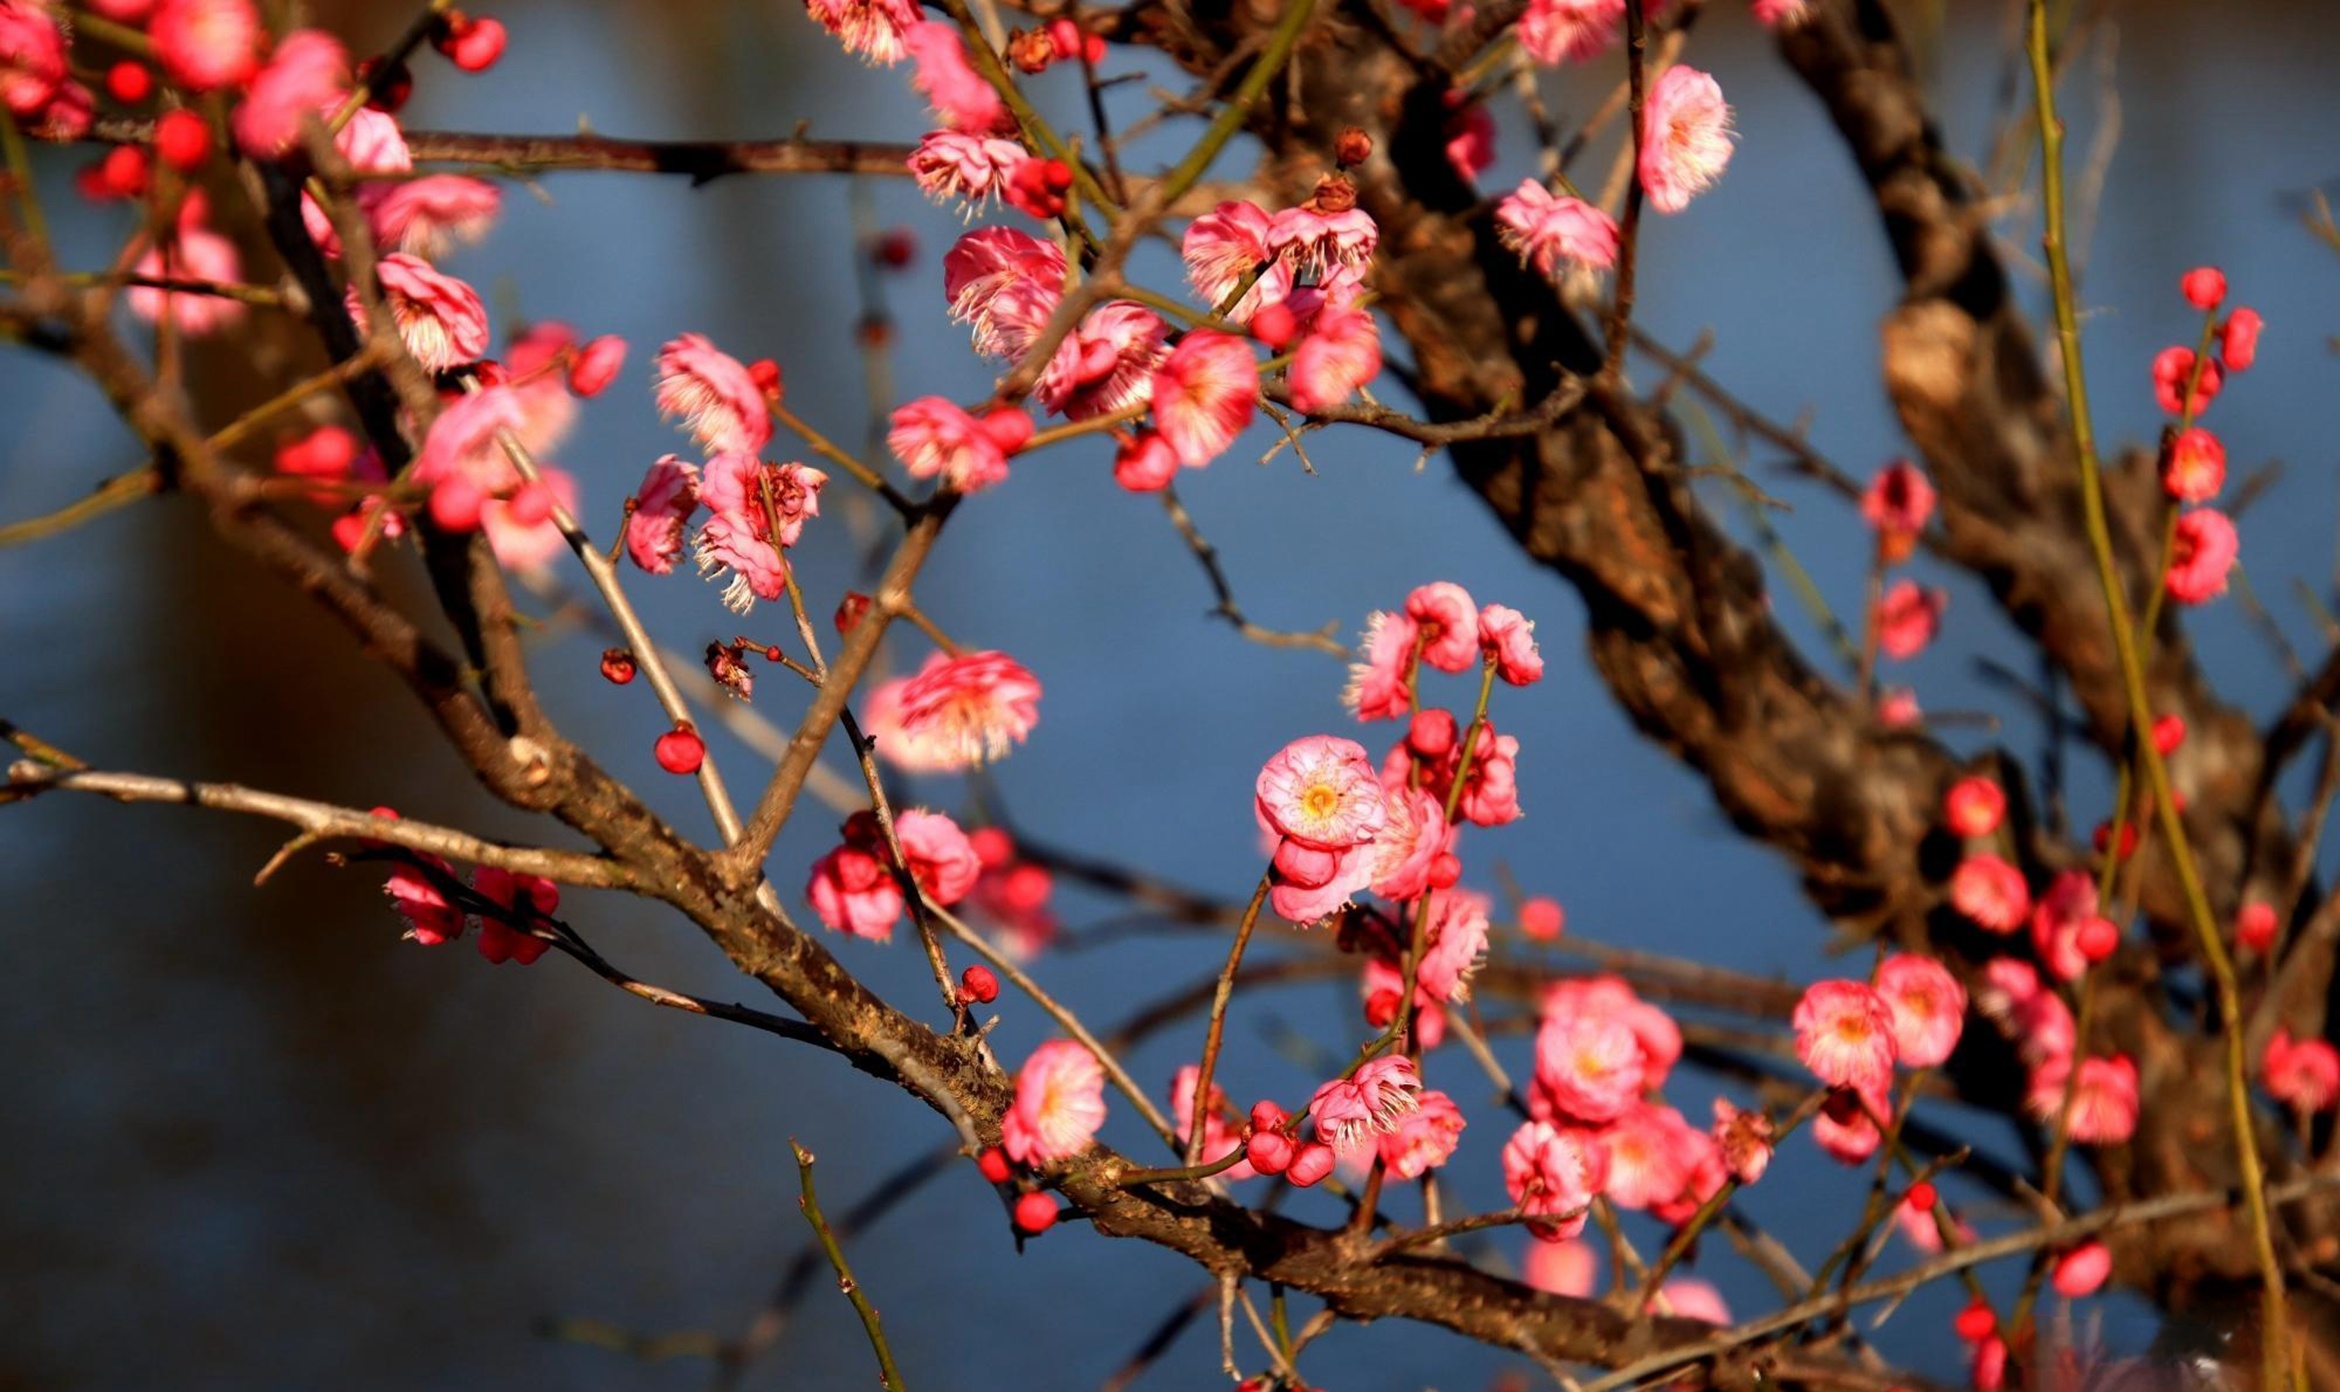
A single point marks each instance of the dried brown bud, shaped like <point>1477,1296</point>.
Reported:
<point>618,665</point>
<point>1031,50</point>
<point>1334,194</point>
<point>725,666</point>
<point>1353,148</point>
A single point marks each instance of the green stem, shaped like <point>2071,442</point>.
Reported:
<point>889,1377</point>
<point>1231,116</point>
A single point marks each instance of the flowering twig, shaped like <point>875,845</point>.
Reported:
<point>889,1377</point>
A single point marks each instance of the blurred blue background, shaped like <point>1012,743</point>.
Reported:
<point>257,1142</point>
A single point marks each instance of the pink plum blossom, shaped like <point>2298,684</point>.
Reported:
<point>1552,232</point>
<point>1686,138</point>
<point>1203,395</point>
<point>1060,1103</point>
<point>1927,1005</point>
<point>1553,1176</point>
<point>1348,1112</point>
<point>714,394</point>
<point>1844,1034</point>
<point>662,513</point>
<point>957,712</point>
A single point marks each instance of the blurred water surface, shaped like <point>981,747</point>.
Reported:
<point>256,1142</point>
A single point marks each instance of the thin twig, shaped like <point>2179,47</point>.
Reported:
<point>889,1377</point>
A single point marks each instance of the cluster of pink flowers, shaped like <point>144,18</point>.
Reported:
<point>854,888</point>
<point>1897,504</point>
<point>1851,1034</point>
<point>520,903</point>
<point>2204,544</point>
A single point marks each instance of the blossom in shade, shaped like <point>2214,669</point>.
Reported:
<point>32,59</point>
<point>1318,242</point>
<point>432,215</point>
<point>308,70</point>
<point>2196,468</point>
<point>430,918</point>
<point>2173,368</point>
<point>1509,637</point>
<point>370,143</point>
<point>1107,364</point>
<point>1219,1136</point>
<point>1897,708</point>
<point>662,513</point>
<point>1203,395</point>
<point>1686,138</point>
<point>2202,554</point>
<point>1898,503</point>
<point>193,252</point>
<point>2082,1271</point>
<point>2104,1102</point>
<point>1060,1103</point>
<point>1589,1067</point>
<point>2238,339</point>
<point>2064,915</point>
<point>714,395</point>
<point>942,861</point>
<point>1846,1124</point>
<point>1743,1139</point>
<point>1412,838</point>
<point>1990,891</point>
<point>872,29</point>
<point>1228,246</point>
<point>1928,1007</point>
<point>1348,1111</point>
<point>524,899</point>
<point>1423,1138</point>
<point>971,168</point>
<point>440,319</point>
<point>1569,1268</point>
<point>1456,942</point>
<point>1381,681</point>
<point>1552,231</point>
<point>1908,617</point>
<point>756,510</point>
<point>2303,1074</point>
<point>519,526</point>
<point>1322,792</point>
<point>959,94</point>
<point>1554,31</point>
<point>1470,137</point>
<point>2254,925</point>
<point>206,45</point>
<point>934,438</point>
<point>1776,14</point>
<point>1341,354</point>
<point>1974,806</point>
<point>957,712</point>
<point>1553,1175</point>
<point>1844,1034</point>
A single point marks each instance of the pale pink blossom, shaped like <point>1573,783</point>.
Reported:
<point>1351,1111</point>
<point>1569,1268</point>
<point>1411,840</point>
<point>432,215</point>
<point>1554,31</point>
<point>1743,1139</point>
<point>192,252</point>
<point>32,58</point>
<point>440,319</point>
<point>2202,553</point>
<point>1203,395</point>
<point>1060,1103</point>
<point>1927,1005</point>
<point>1490,795</point>
<point>519,525</point>
<point>1456,942</point>
<point>207,44</point>
<point>1846,1125</point>
<point>1225,248</point>
<point>1381,681</point>
<point>1219,1136</point>
<point>756,510</point>
<point>1005,283</point>
<point>714,394</point>
<point>941,860</point>
<point>1654,1031</point>
<point>370,143</point>
<point>971,168</point>
<point>959,94</point>
<point>872,29</point>
<point>1649,1163</point>
<point>463,441</point>
<point>1553,232</point>
<point>2104,1102</point>
<point>956,713</point>
<point>662,513</point>
<point>934,438</point>
<point>1687,1297</point>
<point>524,899</point>
<point>1589,1068</point>
<point>1342,354</point>
<point>308,70</point>
<point>1908,617</point>
<point>2303,1075</point>
<point>1509,637</point>
<point>1424,1138</point>
<point>1686,138</point>
<point>1107,364</point>
<point>1322,792</point>
<point>1844,1034</point>
<point>1553,1175</point>
<point>1448,622</point>
<point>2008,987</point>
<point>1898,501</point>
<point>1991,892</point>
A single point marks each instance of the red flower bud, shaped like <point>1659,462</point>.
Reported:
<point>680,750</point>
<point>1035,1212</point>
<point>994,1164</point>
<point>979,985</point>
<point>181,140</point>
